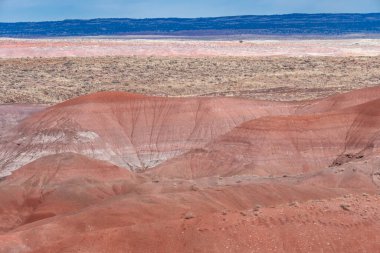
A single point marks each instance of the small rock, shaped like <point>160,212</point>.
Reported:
<point>345,207</point>
<point>194,188</point>
<point>189,215</point>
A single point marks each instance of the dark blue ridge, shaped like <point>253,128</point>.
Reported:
<point>290,24</point>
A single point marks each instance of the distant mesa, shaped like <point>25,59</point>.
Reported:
<point>272,25</point>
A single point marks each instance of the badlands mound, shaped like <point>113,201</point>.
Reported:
<point>58,184</point>
<point>133,131</point>
<point>281,145</point>
<point>120,172</point>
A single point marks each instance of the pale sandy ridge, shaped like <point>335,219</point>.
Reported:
<point>19,48</point>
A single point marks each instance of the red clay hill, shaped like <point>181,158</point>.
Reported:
<point>120,172</point>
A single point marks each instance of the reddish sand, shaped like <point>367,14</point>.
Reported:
<point>17,48</point>
<point>193,175</point>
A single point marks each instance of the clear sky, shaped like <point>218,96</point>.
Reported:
<point>40,10</point>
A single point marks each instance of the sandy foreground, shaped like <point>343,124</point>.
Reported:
<point>16,48</point>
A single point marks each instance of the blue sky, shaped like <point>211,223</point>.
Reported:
<point>39,10</point>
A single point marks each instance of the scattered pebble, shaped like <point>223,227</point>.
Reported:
<point>345,207</point>
<point>189,215</point>
<point>195,188</point>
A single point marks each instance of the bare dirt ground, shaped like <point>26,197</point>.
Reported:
<point>52,80</point>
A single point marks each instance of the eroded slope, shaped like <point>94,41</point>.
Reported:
<point>132,131</point>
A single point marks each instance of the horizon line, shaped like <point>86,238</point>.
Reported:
<point>201,17</point>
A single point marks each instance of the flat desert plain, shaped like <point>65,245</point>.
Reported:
<point>51,71</point>
<point>110,145</point>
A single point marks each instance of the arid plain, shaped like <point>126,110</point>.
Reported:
<point>189,146</point>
